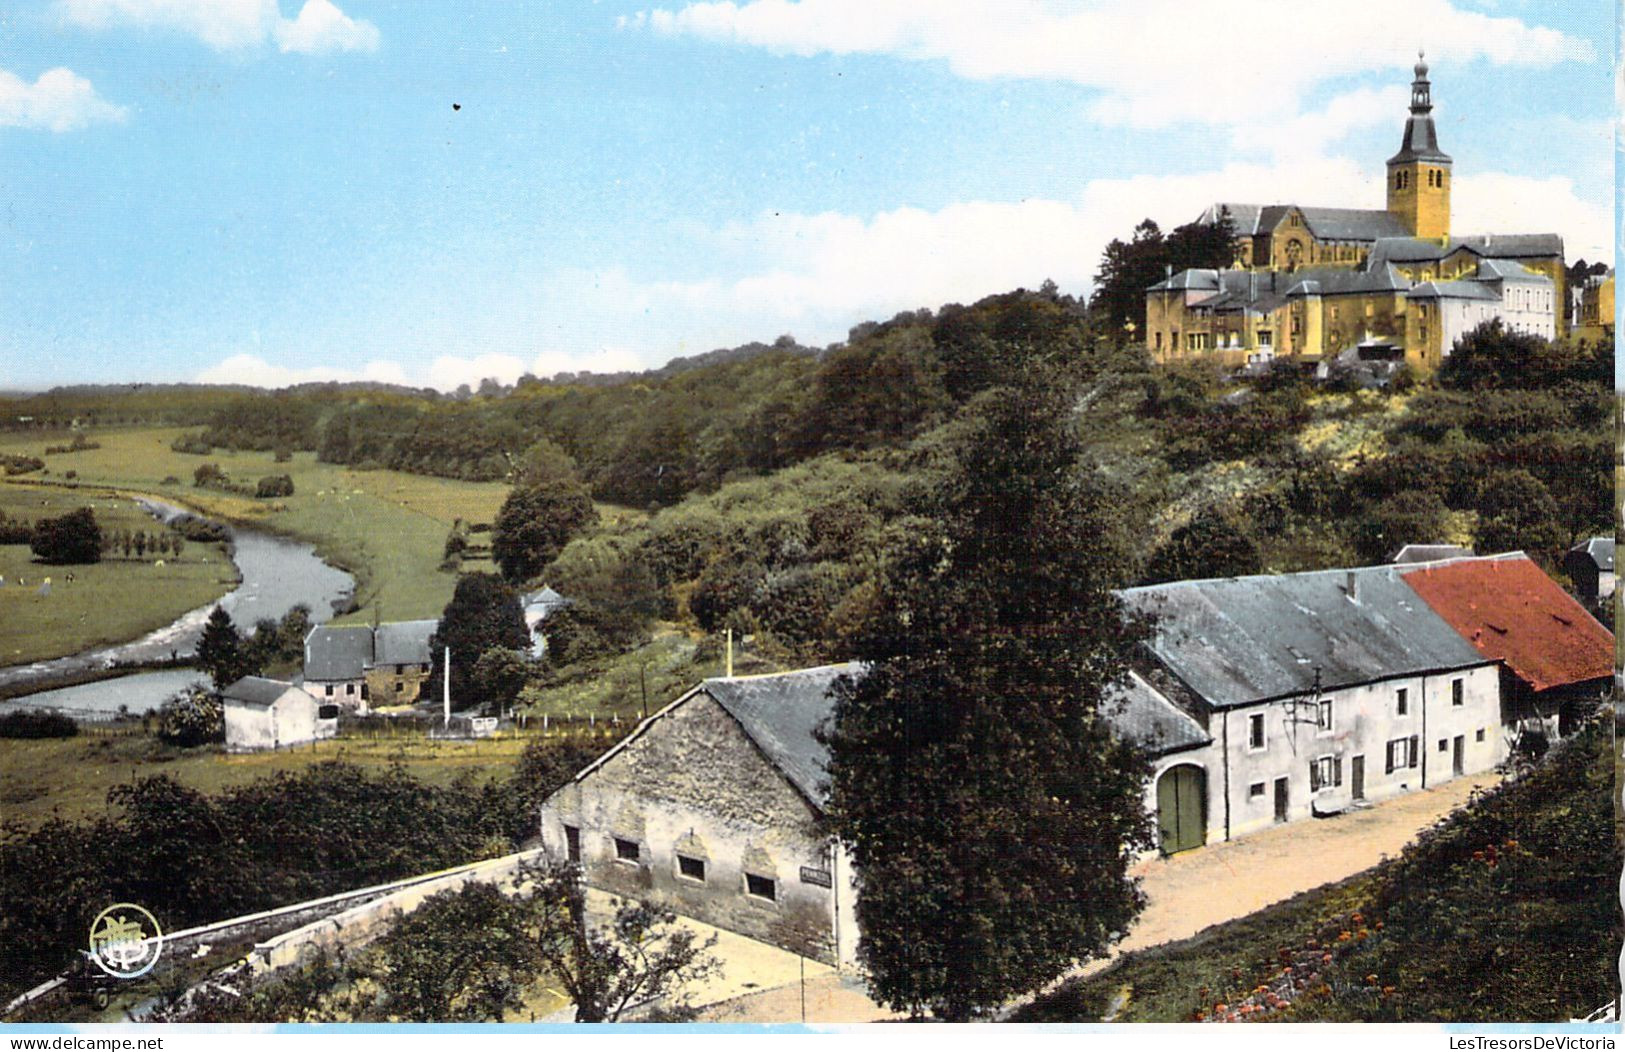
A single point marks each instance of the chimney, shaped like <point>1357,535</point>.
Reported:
<point>1353,586</point>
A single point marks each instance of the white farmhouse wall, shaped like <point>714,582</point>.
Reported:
<point>293,719</point>
<point>1365,719</point>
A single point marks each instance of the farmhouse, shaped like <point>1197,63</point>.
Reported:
<point>1318,692</point>
<point>538,607</point>
<point>336,661</point>
<point>1555,658</point>
<point>1590,565</point>
<point>1258,700</point>
<point>711,807</point>
<point>270,714</point>
<point>360,666</point>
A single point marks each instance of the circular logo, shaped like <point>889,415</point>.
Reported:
<point>125,941</point>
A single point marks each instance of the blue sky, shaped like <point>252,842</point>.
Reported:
<point>276,190</point>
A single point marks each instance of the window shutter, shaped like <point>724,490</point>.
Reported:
<point>1390,764</point>
<point>1416,750</point>
<point>1337,771</point>
<point>1314,776</point>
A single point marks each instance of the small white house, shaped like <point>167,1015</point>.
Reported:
<point>270,714</point>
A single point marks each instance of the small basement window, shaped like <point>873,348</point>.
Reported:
<point>1480,735</point>
<point>1255,791</point>
<point>762,887</point>
<point>626,850</point>
<point>692,868</point>
<point>1444,744</point>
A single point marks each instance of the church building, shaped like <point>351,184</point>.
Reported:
<point>1314,284</point>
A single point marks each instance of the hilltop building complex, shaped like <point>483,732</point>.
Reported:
<point>1314,284</point>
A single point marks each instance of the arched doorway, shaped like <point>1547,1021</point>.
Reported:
<point>1182,808</point>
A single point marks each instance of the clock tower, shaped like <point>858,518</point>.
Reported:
<point>1419,174</point>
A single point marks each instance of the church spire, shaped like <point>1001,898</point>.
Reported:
<point>1421,138</point>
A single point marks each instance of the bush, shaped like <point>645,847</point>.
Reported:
<point>23,724</point>
<point>72,539</point>
<point>21,465</point>
<point>192,717</point>
<point>275,486</point>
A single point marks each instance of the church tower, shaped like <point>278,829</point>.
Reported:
<point>1419,174</point>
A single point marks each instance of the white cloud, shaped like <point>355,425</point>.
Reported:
<point>1143,56</point>
<point>228,25</point>
<point>322,27</point>
<point>60,100</point>
<point>257,372</point>
<point>817,275</point>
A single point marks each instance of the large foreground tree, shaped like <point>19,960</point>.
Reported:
<point>990,815</point>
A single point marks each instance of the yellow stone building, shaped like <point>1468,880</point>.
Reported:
<point>1595,316</point>
<point>1314,283</point>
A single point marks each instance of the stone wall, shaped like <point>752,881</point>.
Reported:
<point>694,785</point>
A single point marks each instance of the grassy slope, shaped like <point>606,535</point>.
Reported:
<point>1531,937</point>
<point>112,601</point>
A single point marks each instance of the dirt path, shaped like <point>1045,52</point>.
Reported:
<point>1185,894</point>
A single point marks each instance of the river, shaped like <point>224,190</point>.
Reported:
<point>277,574</point>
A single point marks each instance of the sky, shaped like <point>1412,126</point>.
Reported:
<point>276,191</point>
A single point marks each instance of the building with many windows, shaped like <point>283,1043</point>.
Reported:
<point>1314,284</point>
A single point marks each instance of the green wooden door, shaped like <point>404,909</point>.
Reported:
<point>1182,808</point>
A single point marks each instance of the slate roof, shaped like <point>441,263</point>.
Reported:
<point>1510,246</point>
<point>338,653</point>
<point>1327,224</point>
<point>1139,713</point>
<point>1485,246</point>
<point>1242,640</point>
<point>1452,290</point>
<point>256,691</point>
<point>402,643</point>
<point>1508,270</point>
<point>1600,550</point>
<point>1427,553</point>
<point>1510,611</point>
<point>779,713</point>
<point>1335,281</point>
<point>1421,141</point>
<point>1352,224</point>
<point>543,601</point>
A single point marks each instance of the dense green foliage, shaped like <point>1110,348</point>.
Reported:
<point>192,858</point>
<point>990,815</point>
<point>484,614</point>
<point>72,539</point>
<point>22,723</point>
<point>192,717</point>
<point>1128,268</point>
<point>1507,910</point>
<point>222,652</point>
<point>536,521</point>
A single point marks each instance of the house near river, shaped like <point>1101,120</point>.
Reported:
<point>1259,700</point>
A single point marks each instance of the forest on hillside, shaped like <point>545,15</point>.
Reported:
<point>777,476</point>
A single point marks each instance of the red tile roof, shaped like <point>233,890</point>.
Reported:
<point>1511,611</point>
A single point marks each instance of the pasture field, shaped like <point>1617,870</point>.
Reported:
<point>388,528</point>
<point>69,777</point>
<point>113,601</point>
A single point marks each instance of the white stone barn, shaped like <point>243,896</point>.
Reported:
<point>1318,692</point>
<point>710,807</point>
<point>270,714</point>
